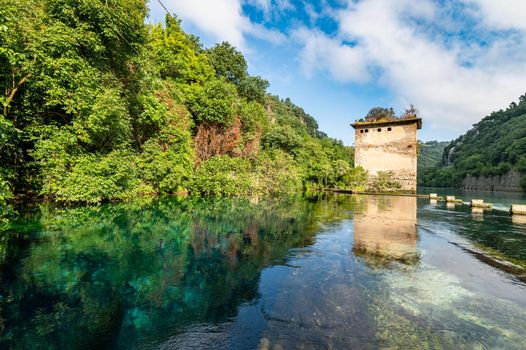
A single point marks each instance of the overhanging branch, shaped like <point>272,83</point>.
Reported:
<point>13,92</point>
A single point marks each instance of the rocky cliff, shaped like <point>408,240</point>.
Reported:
<point>509,182</point>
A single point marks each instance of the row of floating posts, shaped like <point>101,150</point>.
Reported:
<point>451,201</point>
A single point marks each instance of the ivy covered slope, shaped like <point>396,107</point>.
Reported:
<point>98,105</point>
<point>494,146</point>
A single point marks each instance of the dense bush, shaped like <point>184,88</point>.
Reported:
<point>223,176</point>
<point>5,197</point>
<point>383,182</point>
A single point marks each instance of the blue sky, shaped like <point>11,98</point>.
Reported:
<point>455,60</point>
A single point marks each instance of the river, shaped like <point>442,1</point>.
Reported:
<point>321,272</point>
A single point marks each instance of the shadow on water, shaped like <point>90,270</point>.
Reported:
<point>330,271</point>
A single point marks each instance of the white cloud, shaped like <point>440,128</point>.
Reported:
<point>272,8</point>
<point>223,20</point>
<point>343,63</point>
<point>263,5</point>
<point>501,14</point>
<point>418,68</point>
<point>311,12</point>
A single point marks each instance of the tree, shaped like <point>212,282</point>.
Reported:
<point>228,62</point>
<point>98,106</point>
<point>253,89</point>
<point>380,113</point>
<point>410,113</point>
<point>214,103</point>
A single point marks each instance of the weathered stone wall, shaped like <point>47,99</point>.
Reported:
<point>509,182</point>
<point>380,149</point>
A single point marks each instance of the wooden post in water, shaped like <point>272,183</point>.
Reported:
<point>479,203</point>
<point>518,209</point>
<point>452,199</point>
<point>435,197</point>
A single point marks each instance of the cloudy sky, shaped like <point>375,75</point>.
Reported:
<point>456,60</point>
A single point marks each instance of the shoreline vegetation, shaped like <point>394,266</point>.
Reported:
<point>101,107</point>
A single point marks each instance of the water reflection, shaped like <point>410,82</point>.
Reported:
<point>386,230</point>
<point>234,274</point>
<point>451,206</point>
<point>128,274</point>
<point>519,219</point>
<point>477,214</point>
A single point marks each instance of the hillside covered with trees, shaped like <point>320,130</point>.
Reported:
<point>98,106</point>
<point>429,156</point>
<point>494,146</point>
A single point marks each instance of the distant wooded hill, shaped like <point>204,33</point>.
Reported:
<point>494,146</point>
<point>430,154</point>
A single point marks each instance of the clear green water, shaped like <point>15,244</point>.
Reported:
<point>338,271</point>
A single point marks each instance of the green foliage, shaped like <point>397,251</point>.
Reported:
<point>93,178</point>
<point>282,137</point>
<point>383,182</point>
<point>99,106</point>
<point>175,56</point>
<point>429,158</point>
<point>381,114</point>
<point>276,172</point>
<point>439,177</point>
<point>167,167</point>
<point>470,154</point>
<point>378,113</point>
<point>254,89</point>
<point>357,179</point>
<point>222,176</point>
<point>253,116</point>
<point>430,153</point>
<point>228,62</point>
<point>521,164</point>
<point>5,196</point>
<point>215,102</point>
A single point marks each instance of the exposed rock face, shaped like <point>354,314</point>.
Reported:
<point>388,147</point>
<point>449,159</point>
<point>509,182</point>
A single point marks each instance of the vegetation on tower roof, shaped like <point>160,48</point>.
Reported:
<point>384,115</point>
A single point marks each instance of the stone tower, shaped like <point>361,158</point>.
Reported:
<point>388,146</point>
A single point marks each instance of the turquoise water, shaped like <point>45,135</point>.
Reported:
<point>332,271</point>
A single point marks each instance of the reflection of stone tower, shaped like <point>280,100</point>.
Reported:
<point>387,229</point>
<point>388,146</point>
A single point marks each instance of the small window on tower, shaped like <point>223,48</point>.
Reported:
<point>388,129</point>
<point>379,130</point>
<point>361,131</point>
<point>366,130</point>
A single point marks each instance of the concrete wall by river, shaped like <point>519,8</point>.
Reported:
<point>509,182</point>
